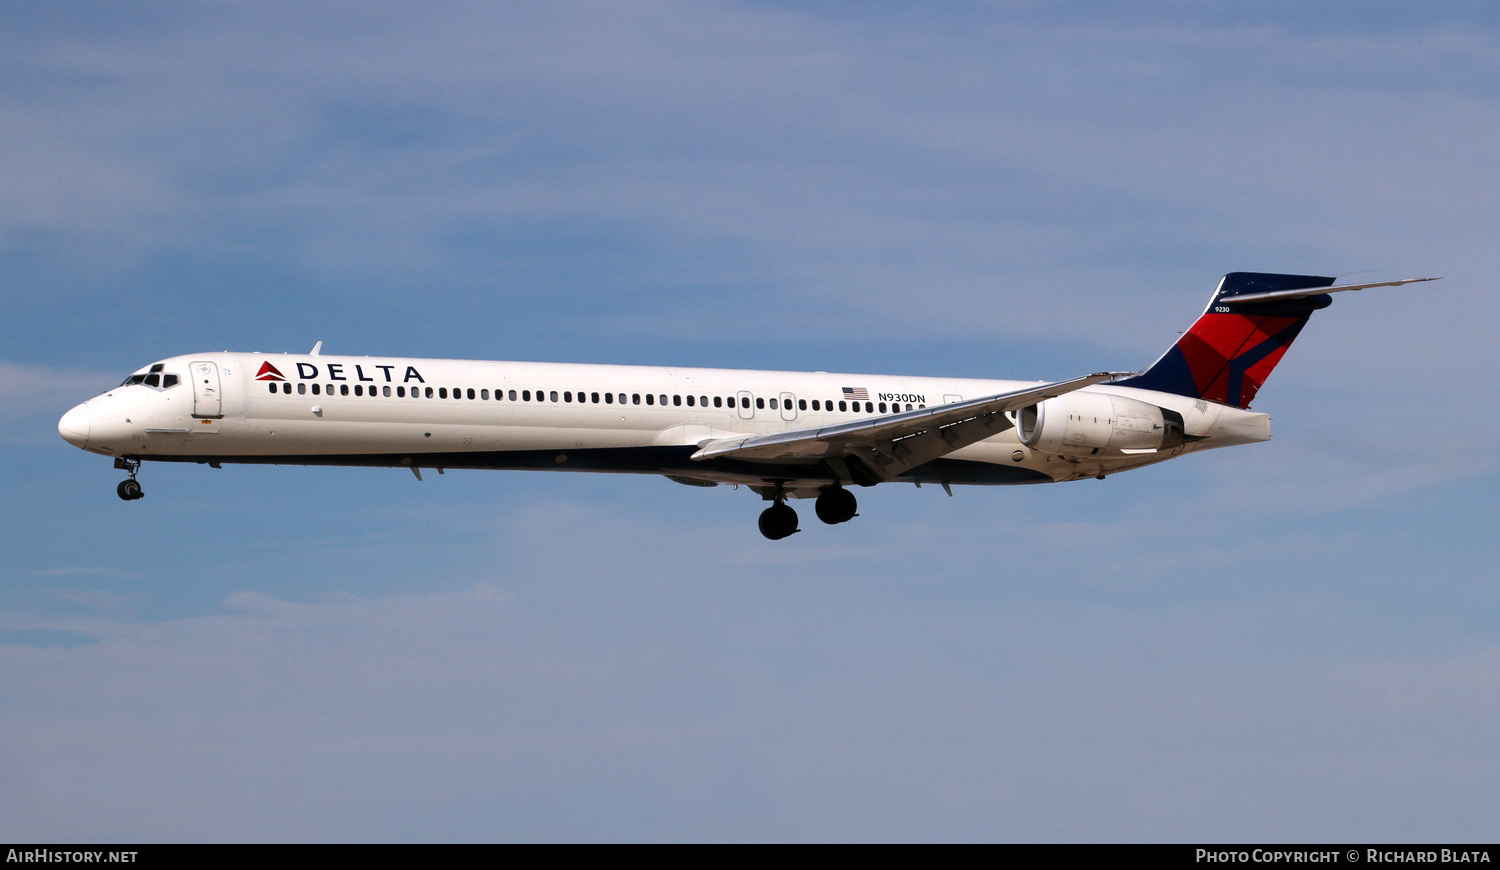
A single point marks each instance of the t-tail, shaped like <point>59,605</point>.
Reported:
<point>1231,349</point>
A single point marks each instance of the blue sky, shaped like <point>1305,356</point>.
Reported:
<point>1298,640</point>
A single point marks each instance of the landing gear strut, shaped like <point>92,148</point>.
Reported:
<point>836,505</point>
<point>778,521</point>
<point>130,489</point>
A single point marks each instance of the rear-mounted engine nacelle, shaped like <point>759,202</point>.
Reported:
<point>1087,423</point>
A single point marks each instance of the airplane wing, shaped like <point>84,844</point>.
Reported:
<point>883,447</point>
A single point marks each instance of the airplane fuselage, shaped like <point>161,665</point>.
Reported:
<point>785,435</point>
<point>432,413</point>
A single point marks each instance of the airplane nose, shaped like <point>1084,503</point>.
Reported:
<point>74,426</point>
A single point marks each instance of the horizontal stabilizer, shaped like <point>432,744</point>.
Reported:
<point>1313,291</point>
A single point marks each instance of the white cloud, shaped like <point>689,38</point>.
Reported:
<point>864,167</point>
<point>331,720</point>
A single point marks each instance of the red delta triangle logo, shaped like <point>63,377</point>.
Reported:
<point>268,372</point>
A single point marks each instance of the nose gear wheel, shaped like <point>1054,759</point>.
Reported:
<point>129,489</point>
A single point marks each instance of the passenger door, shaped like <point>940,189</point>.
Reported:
<point>207,403</point>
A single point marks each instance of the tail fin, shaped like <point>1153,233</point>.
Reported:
<point>1231,349</point>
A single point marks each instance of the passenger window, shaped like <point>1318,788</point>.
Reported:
<point>609,398</point>
<point>471,392</point>
<point>272,386</point>
<point>635,398</point>
<point>525,395</point>
<point>442,392</point>
<point>567,396</point>
<point>677,400</point>
<point>690,401</point>
<point>842,406</point>
<point>815,405</point>
<point>760,403</point>
<point>343,389</point>
<point>358,390</point>
<point>802,404</point>
<point>302,389</point>
<point>386,392</point>
<point>594,397</point>
<point>773,404</point>
<point>484,394</point>
<point>317,389</point>
<point>650,399</point>
<point>286,387</point>
<point>512,395</point>
<point>718,401</point>
<point>428,392</point>
<point>552,395</point>
<point>400,392</point>
<point>882,407</point>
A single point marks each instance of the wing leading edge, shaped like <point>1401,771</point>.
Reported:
<point>883,447</point>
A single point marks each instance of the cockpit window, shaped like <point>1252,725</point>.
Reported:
<point>156,380</point>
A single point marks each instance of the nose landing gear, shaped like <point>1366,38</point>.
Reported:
<point>130,489</point>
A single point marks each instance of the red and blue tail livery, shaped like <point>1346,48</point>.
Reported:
<point>1231,349</point>
<point>782,435</point>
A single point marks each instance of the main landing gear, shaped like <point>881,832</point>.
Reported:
<point>835,505</point>
<point>778,521</point>
<point>130,489</point>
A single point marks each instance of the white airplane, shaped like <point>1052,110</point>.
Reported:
<point>782,434</point>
